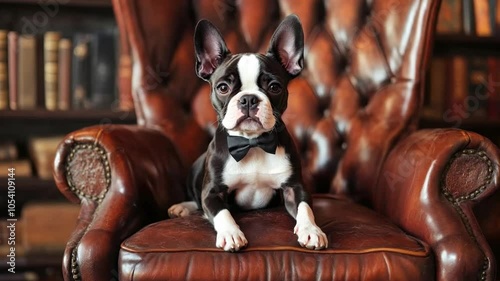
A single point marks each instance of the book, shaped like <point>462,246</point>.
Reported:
<point>494,87</point>
<point>80,77</point>
<point>437,86</point>
<point>47,226</point>
<point>4,90</point>
<point>458,84</point>
<point>50,56</point>
<point>27,72</point>
<point>469,25</point>
<point>4,239</point>
<point>12,39</point>
<point>42,151</point>
<point>482,17</point>
<point>497,17</point>
<point>23,167</point>
<point>450,17</point>
<point>125,75</point>
<point>64,75</point>
<point>477,100</point>
<point>8,151</point>
<point>103,65</point>
<point>493,6</point>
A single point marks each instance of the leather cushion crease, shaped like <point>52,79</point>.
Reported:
<point>367,243</point>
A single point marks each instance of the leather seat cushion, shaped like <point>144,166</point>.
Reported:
<point>362,246</point>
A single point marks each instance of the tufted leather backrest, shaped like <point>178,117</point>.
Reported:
<point>359,94</point>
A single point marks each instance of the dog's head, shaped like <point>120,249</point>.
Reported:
<point>249,91</point>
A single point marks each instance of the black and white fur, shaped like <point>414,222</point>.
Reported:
<point>217,181</point>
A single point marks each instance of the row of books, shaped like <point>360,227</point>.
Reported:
<point>42,228</point>
<point>470,17</point>
<point>56,73</point>
<point>468,87</point>
<point>41,154</point>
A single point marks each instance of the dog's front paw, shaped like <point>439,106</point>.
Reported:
<point>311,236</point>
<point>231,240</point>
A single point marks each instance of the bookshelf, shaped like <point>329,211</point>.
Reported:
<point>463,83</point>
<point>448,45</point>
<point>21,125</point>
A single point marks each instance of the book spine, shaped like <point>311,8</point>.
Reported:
<point>125,75</point>
<point>27,72</point>
<point>104,68</point>
<point>459,85</point>
<point>50,55</point>
<point>13,39</point>
<point>494,87</point>
<point>80,73</point>
<point>492,16</point>
<point>478,87</point>
<point>482,16</point>
<point>450,17</point>
<point>497,18</point>
<point>4,90</point>
<point>468,16</point>
<point>438,86</point>
<point>8,151</point>
<point>64,79</point>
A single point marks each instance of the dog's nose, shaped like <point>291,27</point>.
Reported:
<point>249,101</point>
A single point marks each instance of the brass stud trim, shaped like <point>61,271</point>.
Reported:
<point>75,269</point>
<point>456,202</point>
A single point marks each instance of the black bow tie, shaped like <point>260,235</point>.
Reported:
<point>239,146</point>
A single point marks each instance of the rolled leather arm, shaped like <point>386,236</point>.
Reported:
<point>429,184</point>
<point>124,177</point>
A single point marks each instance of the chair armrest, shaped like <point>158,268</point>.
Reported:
<point>429,184</point>
<point>124,177</point>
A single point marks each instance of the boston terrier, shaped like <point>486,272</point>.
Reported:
<point>252,157</point>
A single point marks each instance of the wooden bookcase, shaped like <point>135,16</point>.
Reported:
<point>467,46</point>
<point>21,125</point>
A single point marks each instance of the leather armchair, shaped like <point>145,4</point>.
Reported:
<point>396,203</point>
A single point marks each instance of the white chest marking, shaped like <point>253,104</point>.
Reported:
<point>255,178</point>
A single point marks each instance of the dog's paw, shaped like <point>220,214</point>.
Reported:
<point>231,240</point>
<point>311,236</point>
<point>182,209</point>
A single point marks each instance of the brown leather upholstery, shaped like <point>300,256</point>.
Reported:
<point>186,249</point>
<point>353,113</point>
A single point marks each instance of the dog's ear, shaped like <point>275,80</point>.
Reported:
<point>210,49</point>
<point>287,45</point>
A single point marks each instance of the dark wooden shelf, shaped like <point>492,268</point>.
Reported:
<point>483,126</point>
<point>76,3</point>
<point>459,44</point>
<point>22,124</point>
<point>70,115</point>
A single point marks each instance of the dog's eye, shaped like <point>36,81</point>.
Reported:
<point>275,88</point>
<point>223,88</point>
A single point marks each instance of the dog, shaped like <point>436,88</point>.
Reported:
<point>252,157</point>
